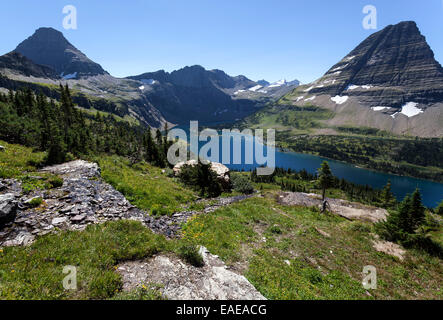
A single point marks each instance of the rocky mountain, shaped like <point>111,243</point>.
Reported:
<point>15,63</point>
<point>194,93</point>
<point>49,47</point>
<point>153,98</point>
<point>390,81</point>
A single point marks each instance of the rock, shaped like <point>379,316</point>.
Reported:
<point>390,248</point>
<point>59,221</point>
<point>221,170</point>
<point>181,281</point>
<point>76,169</point>
<point>22,239</point>
<point>8,208</point>
<point>78,218</point>
<point>67,209</point>
<point>343,208</point>
<point>2,187</point>
<point>2,149</point>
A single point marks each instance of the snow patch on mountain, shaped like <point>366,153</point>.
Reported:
<point>353,87</point>
<point>278,84</point>
<point>410,109</point>
<point>340,99</point>
<point>380,108</point>
<point>256,88</point>
<point>69,76</point>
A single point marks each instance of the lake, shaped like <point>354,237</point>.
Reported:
<point>432,192</point>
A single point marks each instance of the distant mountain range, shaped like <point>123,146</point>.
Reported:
<point>391,81</point>
<point>191,93</point>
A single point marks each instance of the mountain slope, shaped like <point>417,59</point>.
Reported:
<point>50,48</point>
<point>396,59</point>
<point>391,81</point>
<point>193,93</point>
<point>18,64</point>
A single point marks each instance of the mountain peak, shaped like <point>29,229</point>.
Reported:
<point>397,60</point>
<point>49,47</point>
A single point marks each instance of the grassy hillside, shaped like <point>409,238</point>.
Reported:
<point>287,252</point>
<point>258,237</point>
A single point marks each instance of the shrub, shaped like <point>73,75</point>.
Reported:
<point>36,202</point>
<point>55,182</point>
<point>275,229</point>
<point>202,178</point>
<point>190,253</point>
<point>241,184</point>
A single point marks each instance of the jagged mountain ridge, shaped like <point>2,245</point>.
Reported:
<point>49,47</point>
<point>194,93</point>
<point>209,95</point>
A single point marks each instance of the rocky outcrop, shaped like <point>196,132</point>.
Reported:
<point>83,199</point>
<point>181,281</point>
<point>8,208</point>
<point>48,47</point>
<point>343,208</point>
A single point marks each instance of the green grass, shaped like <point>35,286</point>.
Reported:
<point>36,272</point>
<point>145,186</point>
<point>289,119</point>
<point>320,267</point>
<point>17,159</point>
<point>22,163</point>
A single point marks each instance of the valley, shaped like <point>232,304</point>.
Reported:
<point>86,180</point>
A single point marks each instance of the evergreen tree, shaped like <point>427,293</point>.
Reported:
<point>439,209</point>
<point>325,178</point>
<point>387,197</point>
<point>402,224</point>
<point>417,210</point>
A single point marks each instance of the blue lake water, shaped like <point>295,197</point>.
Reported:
<point>432,192</point>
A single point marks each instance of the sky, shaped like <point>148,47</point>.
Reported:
<point>261,39</point>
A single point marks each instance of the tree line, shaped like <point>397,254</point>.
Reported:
<point>65,132</point>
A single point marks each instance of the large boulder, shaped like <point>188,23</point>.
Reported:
<point>182,281</point>
<point>8,208</point>
<point>221,170</point>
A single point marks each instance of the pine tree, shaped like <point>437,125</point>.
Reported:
<point>417,210</point>
<point>439,209</point>
<point>325,178</point>
<point>387,197</point>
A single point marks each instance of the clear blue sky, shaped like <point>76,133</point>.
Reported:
<point>258,38</point>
